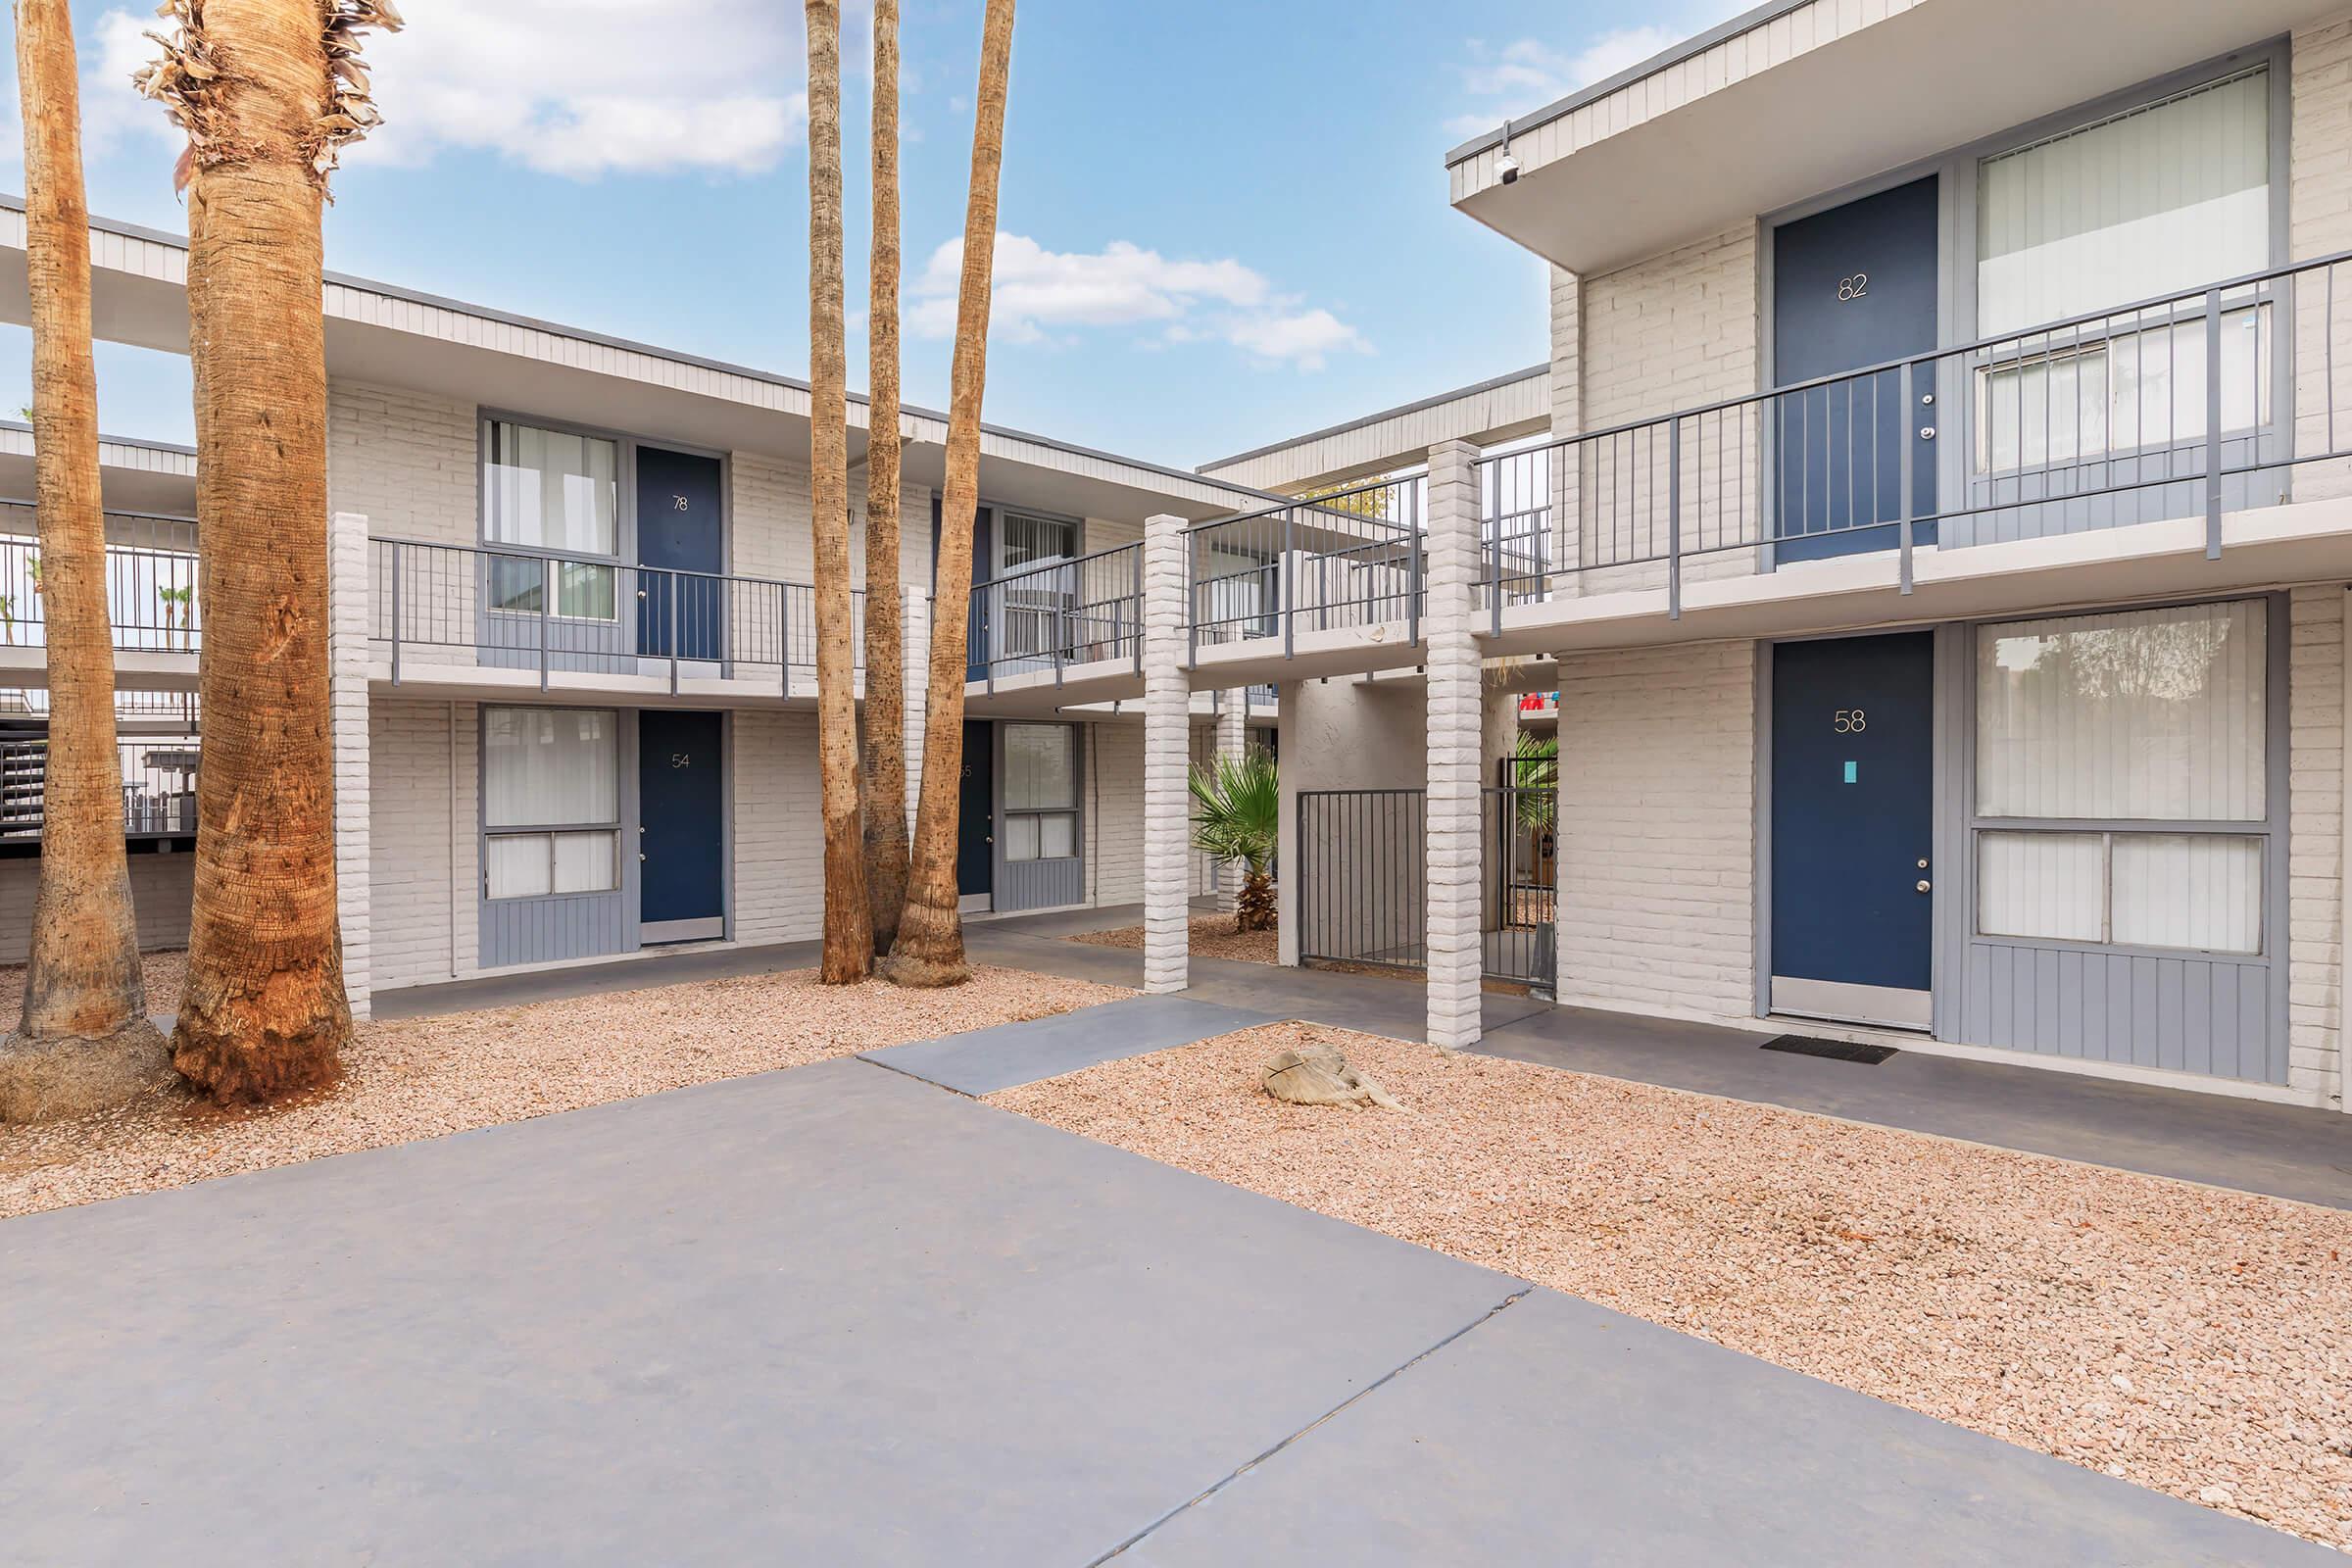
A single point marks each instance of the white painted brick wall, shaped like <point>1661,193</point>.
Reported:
<point>347,680</point>
<point>423,910</point>
<point>1456,706</point>
<point>405,460</point>
<point>2316,730</point>
<point>779,836</point>
<point>1657,834</point>
<point>2320,217</point>
<point>1115,826</point>
<point>1167,741</point>
<point>768,515</point>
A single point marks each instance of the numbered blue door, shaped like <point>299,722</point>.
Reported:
<point>976,813</point>
<point>1853,792</point>
<point>681,602</point>
<point>1852,288</point>
<point>681,814</point>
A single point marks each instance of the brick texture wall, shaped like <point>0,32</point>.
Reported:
<point>1657,845</point>
<point>403,460</point>
<point>1115,833</point>
<point>2316,728</point>
<point>423,910</point>
<point>779,836</point>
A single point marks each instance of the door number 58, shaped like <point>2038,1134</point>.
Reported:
<point>1850,721</point>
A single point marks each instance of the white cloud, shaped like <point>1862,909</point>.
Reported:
<point>1528,74</point>
<point>570,87</point>
<point>1039,292</point>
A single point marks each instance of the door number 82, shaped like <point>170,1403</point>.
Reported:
<point>1850,721</point>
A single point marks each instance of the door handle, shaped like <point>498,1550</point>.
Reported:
<point>1923,884</point>
<point>1927,432</point>
<point>641,855</point>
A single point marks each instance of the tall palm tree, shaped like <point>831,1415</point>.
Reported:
<point>885,651</point>
<point>849,950</point>
<point>929,950</point>
<point>1238,819</point>
<point>83,1040</point>
<point>268,92</point>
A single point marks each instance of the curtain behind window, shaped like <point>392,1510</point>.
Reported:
<point>2155,201</point>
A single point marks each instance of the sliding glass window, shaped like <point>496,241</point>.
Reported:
<point>551,800</point>
<point>557,492</point>
<point>2122,778</point>
<point>1040,792</point>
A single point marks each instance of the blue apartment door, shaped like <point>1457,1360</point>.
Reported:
<point>681,602</point>
<point>1853,790</point>
<point>976,813</point>
<point>681,835</point>
<point>1851,287</point>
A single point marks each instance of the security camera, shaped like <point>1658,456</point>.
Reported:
<point>1509,168</point>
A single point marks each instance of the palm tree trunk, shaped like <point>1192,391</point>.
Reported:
<point>849,950</point>
<point>929,950</point>
<point>885,650</point>
<point>83,1041</point>
<point>265,1014</point>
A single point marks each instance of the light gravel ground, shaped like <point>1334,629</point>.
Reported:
<point>2191,1339</point>
<point>166,976</point>
<point>424,1077</point>
<point>1212,937</point>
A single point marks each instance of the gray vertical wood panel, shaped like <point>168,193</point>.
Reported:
<point>2185,1013</point>
<point>584,925</point>
<point>1039,884</point>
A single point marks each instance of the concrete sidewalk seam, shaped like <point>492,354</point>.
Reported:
<point>1373,1387</point>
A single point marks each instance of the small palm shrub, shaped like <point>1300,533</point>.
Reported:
<point>1237,819</point>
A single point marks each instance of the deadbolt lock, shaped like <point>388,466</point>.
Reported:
<point>1923,864</point>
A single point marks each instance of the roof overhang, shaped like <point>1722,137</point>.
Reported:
<point>1503,408</point>
<point>143,476</point>
<point>396,337</point>
<point>1804,97</point>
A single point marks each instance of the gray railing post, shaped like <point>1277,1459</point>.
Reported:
<point>1416,537</point>
<point>1903,507</point>
<point>1673,517</point>
<point>547,604</point>
<point>1192,604</point>
<point>1287,577</point>
<point>677,630</point>
<point>1136,575</point>
<point>1061,630</point>
<point>1495,549</point>
<point>395,548</point>
<point>2213,424</point>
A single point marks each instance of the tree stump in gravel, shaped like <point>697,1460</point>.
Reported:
<point>1318,1075</point>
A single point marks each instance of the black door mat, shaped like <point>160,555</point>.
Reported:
<point>1833,1050</point>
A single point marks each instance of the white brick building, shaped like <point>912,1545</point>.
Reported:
<point>574,663</point>
<point>1936,539</point>
<point>2009,722</point>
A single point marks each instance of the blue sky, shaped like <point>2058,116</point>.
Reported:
<point>1222,223</point>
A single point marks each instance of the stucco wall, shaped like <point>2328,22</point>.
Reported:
<point>163,889</point>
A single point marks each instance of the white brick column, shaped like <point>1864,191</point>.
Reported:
<point>1233,739</point>
<point>347,627</point>
<point>915,638</point>
<point>1455,704</point>
<point>1168,755</point>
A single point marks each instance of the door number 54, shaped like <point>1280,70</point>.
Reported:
<point>1850,721</point>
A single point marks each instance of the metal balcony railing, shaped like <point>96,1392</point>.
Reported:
<point>1352,558</point>
<point>159,787</point>
<point>1049,616</point>
<point>2187,406</point>
<point>150,583</point>
<point>533,609</point>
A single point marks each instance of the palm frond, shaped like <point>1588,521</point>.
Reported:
<point>1237,809</point>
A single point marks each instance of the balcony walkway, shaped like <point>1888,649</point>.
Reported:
<point>2284,1151</point>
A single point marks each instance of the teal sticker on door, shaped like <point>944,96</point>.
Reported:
<point>1851,770</point>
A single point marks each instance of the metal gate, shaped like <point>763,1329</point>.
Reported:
<point>1363,881</point>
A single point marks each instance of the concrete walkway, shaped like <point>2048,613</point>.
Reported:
<point>2288,1151</point>
<point>840,1315</point>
